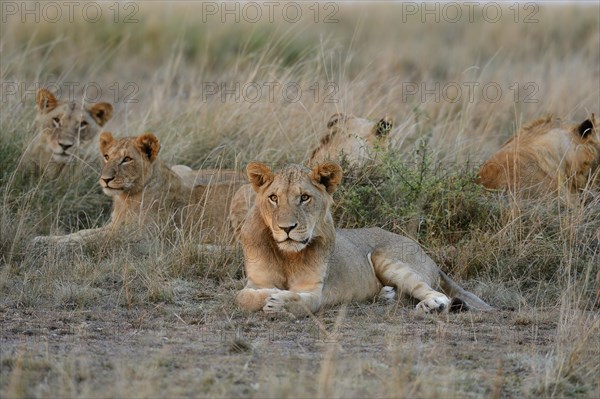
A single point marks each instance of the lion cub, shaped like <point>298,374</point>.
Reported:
<point>547,156</point>
<point>147,194</point>
<point>297,262</point>
<point>65,131</point>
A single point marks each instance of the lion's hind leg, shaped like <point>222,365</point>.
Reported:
<point>394,272</point>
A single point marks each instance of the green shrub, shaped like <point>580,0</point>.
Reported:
<point>471,232</point>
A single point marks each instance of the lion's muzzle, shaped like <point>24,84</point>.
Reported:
<point>291,240</point>
<point>107,187</point>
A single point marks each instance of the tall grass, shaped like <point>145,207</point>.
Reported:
<point>539,258</point>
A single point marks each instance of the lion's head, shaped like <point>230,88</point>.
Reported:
<point>543,156</point>
<point>351,137</point>
<point>294,203</point>
<point>128,162</point>
<point>67,127</point>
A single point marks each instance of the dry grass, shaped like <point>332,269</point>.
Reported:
<point>123,324</point>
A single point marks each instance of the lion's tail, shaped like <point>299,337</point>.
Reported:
<point>471,300</point>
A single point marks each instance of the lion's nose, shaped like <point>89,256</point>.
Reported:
<point>107,179</point>
<point>289,228</point>
<point>64,146</point>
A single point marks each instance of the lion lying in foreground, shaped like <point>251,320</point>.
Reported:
<point>348,137</point>
<point>147,193</point>
<point>546,156</point>
<point>297,262</point>
<point>65,131</point>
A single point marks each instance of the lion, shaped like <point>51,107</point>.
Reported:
<point>547,156</point>
<point>65,131</point>
<point>348,137</point>
<point>351,138</point>
<point>146,193</point>
<point>297,262</point>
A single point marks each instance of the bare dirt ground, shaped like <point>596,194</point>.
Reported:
<point>114,323</point>
<point>205,349</point>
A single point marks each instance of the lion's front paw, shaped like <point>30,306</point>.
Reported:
<point>42,243</point>
<point>41,240</point>
<point>61,240</point>
<point>282,302</point>
<point>57,243</point>
<point>275,303</point>
<point>434,303</point>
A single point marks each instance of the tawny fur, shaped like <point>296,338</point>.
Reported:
<point>346,137</point>
<point>297,262</point>
<point>65,133</point>
<point>147,193</point>
<point>546,156</point>
<point>352,138</point>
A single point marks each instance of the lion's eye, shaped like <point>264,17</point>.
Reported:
<point>304,197</point>
<point>106,156</point>
<point>56,121</point>
<point>126,159</point>
<point>83,125</point>
<point>273,198</point>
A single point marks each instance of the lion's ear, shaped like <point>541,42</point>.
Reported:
<point>106,139</point>
<point>259,174</point>
<point>335,119</point>
<point>587,127</point>
<point>383,127</point>
<point>149,145</point>
<point>327,174</point>
<point>45,100</point>
<point>101,112</point>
